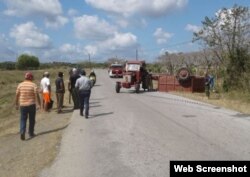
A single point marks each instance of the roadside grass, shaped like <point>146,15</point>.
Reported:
<point>235,100</point>
<point>9,81</point>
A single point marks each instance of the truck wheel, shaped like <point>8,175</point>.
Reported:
<point>137,88</point>
<point>117,88</point>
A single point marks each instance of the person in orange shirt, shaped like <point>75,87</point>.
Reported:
<point>46,90</point>
<point>27,98</point>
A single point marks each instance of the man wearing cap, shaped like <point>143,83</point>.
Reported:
<point>60,90</point>
<point>46,90</point>
<point>83,84</point>
<point>71,87</point>
<point>27,95</point>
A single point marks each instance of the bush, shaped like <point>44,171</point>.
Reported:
<point>25,62</point>
<point>154,67</point>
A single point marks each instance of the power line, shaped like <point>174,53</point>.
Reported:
<point>168,46</point>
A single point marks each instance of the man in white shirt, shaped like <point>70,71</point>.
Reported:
<point>46,90</point>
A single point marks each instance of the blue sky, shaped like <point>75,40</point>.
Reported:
<point>70,31</point>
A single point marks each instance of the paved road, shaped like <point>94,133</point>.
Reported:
<point>136,135</point>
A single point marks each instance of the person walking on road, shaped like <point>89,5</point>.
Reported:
<point>46,90</point>
<point>72,89</point>
<point>83,84</point>
<point>60,90</point>
<point>27,96</point>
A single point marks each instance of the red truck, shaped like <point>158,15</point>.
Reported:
<point>115,70</point>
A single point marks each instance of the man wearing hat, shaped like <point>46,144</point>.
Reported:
<point>46,90</point>
<point>83,84</point>
<point>27,95</point>
<point>60,90</point>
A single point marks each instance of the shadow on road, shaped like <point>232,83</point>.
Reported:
<point>95,106</point>
<point>66,111</point>
<point>101,115</point>
<point>239,115</point>
<point>94,102</point>
<point>49,131</point>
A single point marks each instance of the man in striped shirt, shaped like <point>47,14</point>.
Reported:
<point>27,96</point>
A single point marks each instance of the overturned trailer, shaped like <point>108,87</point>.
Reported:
<point>182,81</point>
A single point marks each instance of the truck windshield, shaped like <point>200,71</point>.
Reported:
<point>133,67</point>
<point>117,66</point>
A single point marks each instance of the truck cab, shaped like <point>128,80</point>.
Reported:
<point>115,70</point>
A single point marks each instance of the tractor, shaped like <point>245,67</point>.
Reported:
<point>134,75</point>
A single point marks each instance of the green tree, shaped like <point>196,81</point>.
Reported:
<point>25,62</point>
<point>8,65</point>
<point>227,34</point>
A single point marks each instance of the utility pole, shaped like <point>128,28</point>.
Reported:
<point>89,60</point>
<point>136,54</point>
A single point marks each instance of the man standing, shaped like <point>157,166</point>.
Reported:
<point>207,85</point>
<point>60,90</point>
<point>83,84</point>
<point>72,89</point>
<point>46,90</point>
<point>27,96</point>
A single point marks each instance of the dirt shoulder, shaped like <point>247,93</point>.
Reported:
<point>27,158</point>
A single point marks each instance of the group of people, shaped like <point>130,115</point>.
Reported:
<point>27,98</point>
<point>45,90</point>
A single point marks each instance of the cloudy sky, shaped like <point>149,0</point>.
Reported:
<point>73,30</point>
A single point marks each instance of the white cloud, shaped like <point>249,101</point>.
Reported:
<point>192,28</point>
<point>119,41</point>
<point>131,7</point>
<point>104,37</point>
<point>73,12</point>
<point>122,22</point>
<point>162,36</point>
<point>165,51</point>
<point>122,44</point>
<point>91,27</point>
<point>90,49</point>
<point>28,35</point>
<point>56,22</point>
<point>50,10</point>
<point>69,48</point>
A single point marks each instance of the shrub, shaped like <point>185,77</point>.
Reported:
<point>25,62</point>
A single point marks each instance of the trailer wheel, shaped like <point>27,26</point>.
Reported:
<point>137,88</point>
<point>117,88</point>
<point>183,74</point>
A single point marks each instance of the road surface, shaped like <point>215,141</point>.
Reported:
<point>136,135</point>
